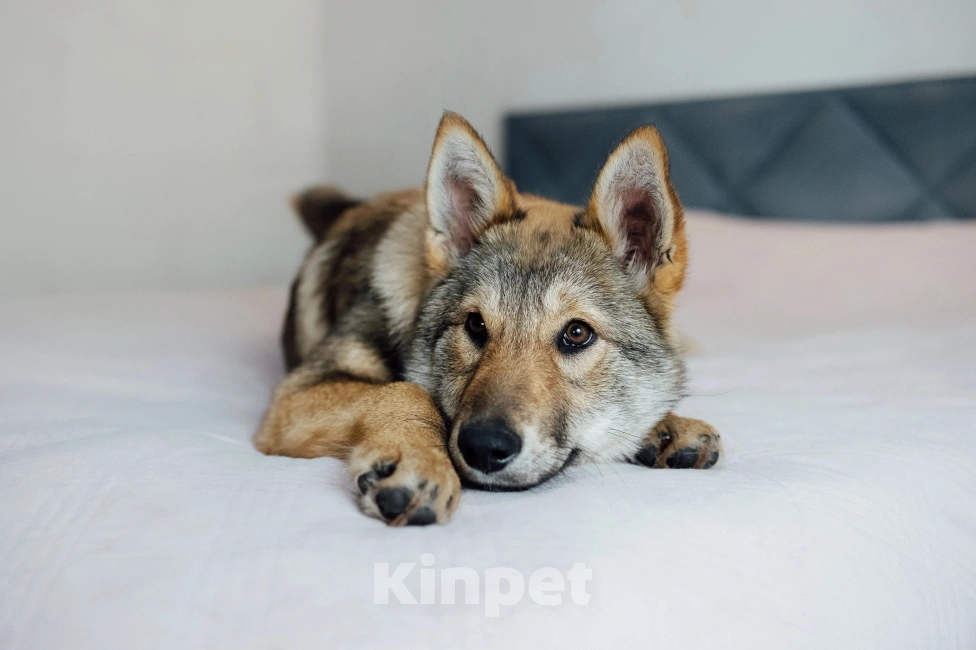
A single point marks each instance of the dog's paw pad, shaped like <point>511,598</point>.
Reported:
<point>423,517</point>
<point>379,471</point>
<point>683,458</point>
<point>647,456</point>
<point>680,443</point>
<point>392,502</point>
<point>703,453</point>
<point>417,489</point>
<point>711,460</point>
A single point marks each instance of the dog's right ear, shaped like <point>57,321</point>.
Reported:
<point>466,192</point>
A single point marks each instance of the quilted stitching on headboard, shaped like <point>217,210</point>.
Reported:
<point>905,151</point>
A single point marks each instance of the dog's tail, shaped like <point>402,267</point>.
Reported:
<point>320,206</point>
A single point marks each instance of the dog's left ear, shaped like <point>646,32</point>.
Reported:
<point>637,210</point>
<point>466,191</point>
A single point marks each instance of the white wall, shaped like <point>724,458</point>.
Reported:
<point>396,65</point>
<point>154,143</point>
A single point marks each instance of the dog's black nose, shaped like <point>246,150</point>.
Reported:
<point>488,445</point>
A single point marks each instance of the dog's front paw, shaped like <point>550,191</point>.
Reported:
<point>412,487</point>
<point>681,443</point>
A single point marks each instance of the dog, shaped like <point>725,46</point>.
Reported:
<point>467,334</point>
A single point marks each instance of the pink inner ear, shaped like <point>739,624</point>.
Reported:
<point>640,227</point>
<point>466,205</point>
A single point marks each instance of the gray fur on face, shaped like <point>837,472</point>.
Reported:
<point>603,399</point>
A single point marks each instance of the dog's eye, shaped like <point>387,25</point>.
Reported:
<point>475,325</point>
<point>577,335</point>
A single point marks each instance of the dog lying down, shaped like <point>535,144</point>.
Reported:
<point>470,334</point>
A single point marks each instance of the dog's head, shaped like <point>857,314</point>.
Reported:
<point>546,335</point>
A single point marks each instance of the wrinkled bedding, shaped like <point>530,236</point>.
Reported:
<point>839,363</point>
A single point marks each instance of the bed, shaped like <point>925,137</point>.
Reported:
<point>837,359</point>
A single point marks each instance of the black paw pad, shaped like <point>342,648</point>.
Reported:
<point>379,471</point>
<point>384,470</point>
<point>712,459</point>
<point>683,458</point>
<point>393,501</point>
<point>647,456</point>
<point>365,481</point>
<point>423,517</point>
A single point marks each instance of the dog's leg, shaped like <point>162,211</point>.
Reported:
<point>680,443</point>
<point>391,435</point>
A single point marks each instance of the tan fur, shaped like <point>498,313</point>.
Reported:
<point>677,434</point>
<point>368,425</point>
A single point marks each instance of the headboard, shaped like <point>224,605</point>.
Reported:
<point>879,153</point>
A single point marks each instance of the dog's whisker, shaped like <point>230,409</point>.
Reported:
<point>731,390</point>
<point>625,435</point>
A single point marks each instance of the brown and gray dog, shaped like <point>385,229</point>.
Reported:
<point>469,333</point>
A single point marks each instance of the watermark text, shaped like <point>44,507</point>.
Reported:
<point>503,586</point>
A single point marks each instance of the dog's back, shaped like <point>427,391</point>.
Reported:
<point>342,285</point>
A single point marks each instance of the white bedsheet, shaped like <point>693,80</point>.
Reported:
<point>839,362</point>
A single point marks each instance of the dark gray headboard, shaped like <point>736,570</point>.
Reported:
<point>895,152</point>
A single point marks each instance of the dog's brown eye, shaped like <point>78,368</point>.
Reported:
<point>576,335</point>
<point>475,325</point>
